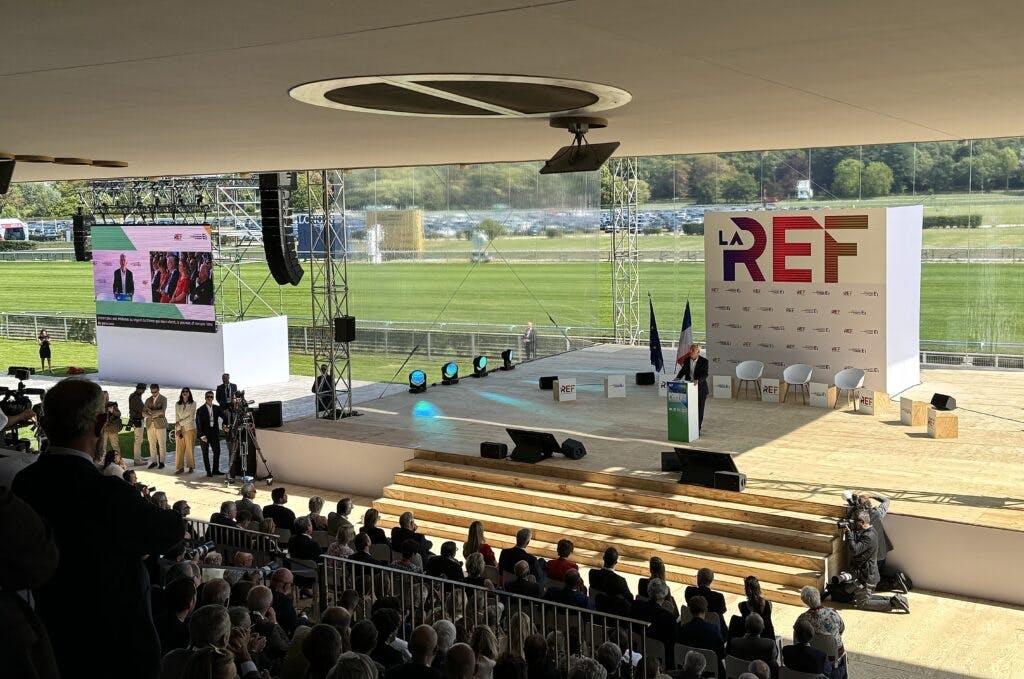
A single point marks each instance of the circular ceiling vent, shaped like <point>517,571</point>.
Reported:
<point>462,95</point>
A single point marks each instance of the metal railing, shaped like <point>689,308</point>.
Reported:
<point>231,539</point>
<point>424,599</point>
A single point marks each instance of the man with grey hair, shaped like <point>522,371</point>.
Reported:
<point>446,634</point>
<point>209,626</point>
<point>248,493</point>
<point>693,666</point>
<point>260,602</point>
<point>752,646</point>
<point>862,547</point>
<point>511,555</point>
<point>759,669</point>
<point>74,418</point>
<point>406,530</point>
<point>226,515</point>
<point>216,592</point>
<point>587,668</point>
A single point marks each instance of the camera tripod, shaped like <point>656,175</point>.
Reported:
<point>243,436</point>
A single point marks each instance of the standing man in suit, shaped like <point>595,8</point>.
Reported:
<point>135,420</point>
<point>530,341</point>
<point>209,421</point>
<point>695,369</point>
<point>225,391</point>
<point>614,596</point>
<point>100,570</point>
<point>155,412</point>
<point>323,387</point>
<point>124,282</point>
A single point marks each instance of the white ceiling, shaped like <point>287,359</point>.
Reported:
<point>195,87</point>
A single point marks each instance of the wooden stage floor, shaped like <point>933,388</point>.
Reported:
<point>786,450</point>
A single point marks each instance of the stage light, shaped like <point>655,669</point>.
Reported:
<point>480,366</point>
<point>506,360</point>
<point>450,373</point>
<point>417,382</point>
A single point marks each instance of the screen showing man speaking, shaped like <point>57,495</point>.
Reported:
<point>157,277</point>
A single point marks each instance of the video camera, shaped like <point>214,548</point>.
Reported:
<point>17,401</point>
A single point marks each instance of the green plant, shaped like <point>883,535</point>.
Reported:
<point>951,221</point>
<point>10,245</point>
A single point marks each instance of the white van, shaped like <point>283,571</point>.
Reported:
<point>13,229</point>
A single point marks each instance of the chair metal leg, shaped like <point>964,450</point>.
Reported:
<point>839,392</point>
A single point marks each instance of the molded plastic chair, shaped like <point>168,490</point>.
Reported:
<point>381,552</point>
<point>709,655</point>
<point>786,673</point>
<point>492,574</point>
<point>798,375</point>
<point>734,666</point>
<point>848,380</point>
<point>322,538</point>
<point>750,372</point>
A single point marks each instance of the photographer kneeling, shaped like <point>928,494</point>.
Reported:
<point>862,543</point>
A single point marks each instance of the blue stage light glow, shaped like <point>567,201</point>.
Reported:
<point>425,409</point>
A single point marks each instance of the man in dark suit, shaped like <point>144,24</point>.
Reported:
<point>569,594</point>
<point>613,594</point>
<point>715,600</point>
<point>201,289</point>
<point>752,646</point>
<point>100,570</point>
<point>302,545</point>
<point>124,282</point>
<point>406,530</point>
<point>173,276</point>
<point>209,421</point>
<point>445,565</point>
<point>510,556</point>
<point>282,516</point>
<point>226,516</point>
<point>695,369</point>
<point>663,623</point>
<point>281,583</point>
<point>179,600</point>
<point>226,390</point>
<point>523,584</point>
<point>803,657</point>
<point>422,647</point>
<point>530,341</point>
<point>700,634</point>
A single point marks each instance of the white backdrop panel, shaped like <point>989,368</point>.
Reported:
<point>256,351</point>
<point>903,298</point>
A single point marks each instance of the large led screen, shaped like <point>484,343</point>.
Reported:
<point>156,277</point>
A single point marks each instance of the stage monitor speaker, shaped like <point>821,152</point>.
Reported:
<point>645,378</point>
<point>730,481</point>
<point>278,237</point>
<point>345,329</point>
<point>698,467</point>
<point>80,226</point>
<point>670,461</point>
<point>269,414</point>
<point>493,451</point>
<point>548,382</point>
<point>943,402</point>
<point>532,446</point>
<point>6,172</point>
<point>573,449</point>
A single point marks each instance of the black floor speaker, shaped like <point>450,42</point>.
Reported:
<point>546,383</point>
<point>943,402</point>
<point>493,450</point>
<point>645,378</point>
<point>730,481</point>
<point>670,461</point>
<point>269,414</point>
<point>573,449</point>
<point>345,329</point>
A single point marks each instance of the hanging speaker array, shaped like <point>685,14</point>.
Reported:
<point>278,238</point>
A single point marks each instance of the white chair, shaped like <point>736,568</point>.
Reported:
<point>750,372</point>
<point>850,380</point>
<point>734,666</point>
<point>786,673</point>
<point>798,375</point>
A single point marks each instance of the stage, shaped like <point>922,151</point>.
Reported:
<point>788,450</point>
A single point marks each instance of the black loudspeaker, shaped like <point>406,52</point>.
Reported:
<point>493,451</point>
<point>573,449</point>
<point>670,461</point>
<point>6,172</point>
<point>547,383</point>
<point>345,329</point>
<point>269,414</point>
<point>645,378</point>
<point>943,402</point>
<point>532,446</point>
<point>730,481</point>
<point>698,467</point>
<point>80,225</point>
<point>278,238</point>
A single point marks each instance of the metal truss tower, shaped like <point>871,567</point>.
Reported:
<point>625,255</point>
<point>328,277</point>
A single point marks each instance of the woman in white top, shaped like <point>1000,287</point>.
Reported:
<point>185,432</point>
<point>113,465</point>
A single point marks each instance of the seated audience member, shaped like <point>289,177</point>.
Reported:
<point>556,568</point>
<point>609,656</point>
<point>387,621</point>
<point>321,648</point>
<point>460,663</point>
<point>113,465</point>
<point>612,595</point>
<point>182,507</point>
<point>586,668</point>
<point>240,593</point>
<point>301,545</point>
<point>446,637</point>
<point>215,592</point>
<point>213,560</point>
<point>179,600</point>
<point>339,518</point>
<point>248,504</point>
<point>364,641</point>
<point>159,500</point>
<point>341,547</point>
<point>475,571</point>
<point>663,623</point>
<point>406,530</point>
<point>700,634</point>
<point>208,627</point>
<point>656,567</point>
<point>476,542</point>
<point>340,619</point>
<point>445,565</point>
<point>715,600</point>
<point>758,669</point>
<point>801,656</point>
<point>407,560</point>
<point>693,666</point>
<point>510,667</point>
<point>512,555</point>
<point>244,519</point>
<point>520,627</point>
<point>523,584</point>
<point>756,603</point>
<point>569,594</point>
<point>485,645</point>
<point>539,664</point>
<point>422,646</point>
<point>369,528</point>
<point>823,620</point>
<point>283,517</point>
<point>243,560</point>
<point>316,518</point>
<point>354,665</point>
<point>281,583</point>
<point>260,603</point>
<point>753,646</point>
<point>226,516</point>
<point>361,545</point>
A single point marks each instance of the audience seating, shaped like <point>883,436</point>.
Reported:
<point>322,538</point>
<point>734,666</point>
<point>492,574</point>
<point>709,656</point>
<point>381,552</point>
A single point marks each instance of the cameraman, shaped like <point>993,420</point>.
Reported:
<point>17,420</point>
<point>862,546</point>
<point>113,428</point>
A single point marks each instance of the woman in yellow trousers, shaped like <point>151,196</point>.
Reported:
<point>185,432</point>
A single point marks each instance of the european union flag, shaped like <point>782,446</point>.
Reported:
<point>657,359</point>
